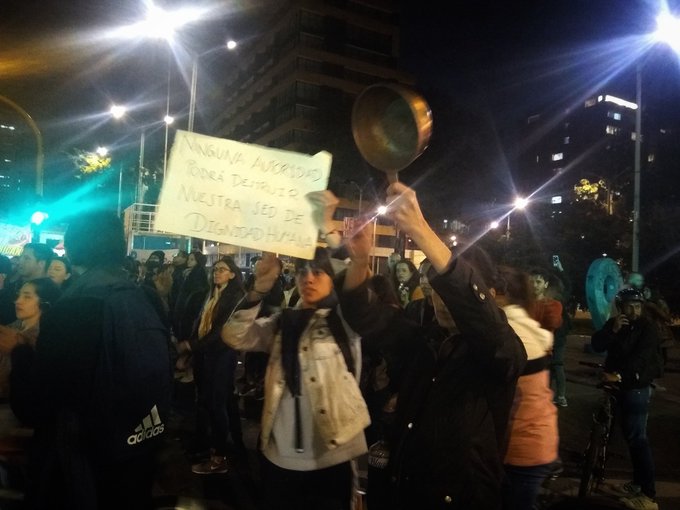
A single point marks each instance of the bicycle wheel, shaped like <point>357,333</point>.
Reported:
<point>591,472</point>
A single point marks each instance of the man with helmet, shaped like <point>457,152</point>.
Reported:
<point>632,346</point>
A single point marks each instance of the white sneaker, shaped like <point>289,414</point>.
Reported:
<point>640,502</point>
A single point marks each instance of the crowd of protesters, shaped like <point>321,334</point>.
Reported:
<point>440,374</point>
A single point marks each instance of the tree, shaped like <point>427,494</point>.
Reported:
<point>89,163</point>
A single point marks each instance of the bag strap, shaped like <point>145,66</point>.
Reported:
<point>340,335</point>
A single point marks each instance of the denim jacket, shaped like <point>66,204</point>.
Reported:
<point>340,413</point>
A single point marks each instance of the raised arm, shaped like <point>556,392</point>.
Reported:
<point>243,331</point>
<point>462,289</point>
<point>404,210</point>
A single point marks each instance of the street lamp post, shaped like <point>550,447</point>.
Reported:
<point>162,24</point>
<point>168,119</point>
<point>142,141</point>
<point>192,94</point>
<point>667,31</point>
<point>636,171</point>
<point>118,112</point>
<point>520,203</point>
<point>102,152</point>
<point>361,192</point>
<point>230,45</point>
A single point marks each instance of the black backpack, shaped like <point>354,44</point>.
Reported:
<point>132,387</point>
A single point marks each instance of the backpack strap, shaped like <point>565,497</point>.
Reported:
<point>340,335</point>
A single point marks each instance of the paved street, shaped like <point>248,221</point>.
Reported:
<point>178,488</point>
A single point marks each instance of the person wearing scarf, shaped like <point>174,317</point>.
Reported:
<point>218,425</point>
<point>314,415</point>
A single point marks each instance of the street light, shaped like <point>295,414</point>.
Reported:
<point>667,31</point>
<point>230,45</point>
<point>120,111</point>
<point>103,152</point>
<point>520,203</point>
<point>163,24</point>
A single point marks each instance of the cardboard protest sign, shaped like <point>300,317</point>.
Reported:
<point>242,194</point>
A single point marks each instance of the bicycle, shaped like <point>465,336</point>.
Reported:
<point>595,454</point>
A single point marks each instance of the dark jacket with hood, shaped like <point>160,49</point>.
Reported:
<point>633,352</point>
<point>453,405</point>
<point>192,295</point>
<point>82,387</point>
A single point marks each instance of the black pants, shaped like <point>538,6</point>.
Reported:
<point>217,405</point>
<point>322,489</point>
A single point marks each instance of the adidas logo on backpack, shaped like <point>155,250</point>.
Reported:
<point>151,426</point>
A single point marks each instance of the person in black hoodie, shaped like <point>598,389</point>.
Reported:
<point>97,387</point>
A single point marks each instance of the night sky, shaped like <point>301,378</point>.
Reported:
<point>487,64</point>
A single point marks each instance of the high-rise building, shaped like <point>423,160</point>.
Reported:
<point>293,87</point>
<point>15,182</point>
<point>296,86</point>
<point>594,141</point>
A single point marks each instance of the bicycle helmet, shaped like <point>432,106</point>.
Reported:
<point>629,294</point>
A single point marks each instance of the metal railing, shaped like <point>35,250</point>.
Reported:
<point>140,218</point>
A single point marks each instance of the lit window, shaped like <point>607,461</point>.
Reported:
<point>620,102</point>
<point>650,158</point>
<point>558,156</point>
<point>612,130</point>
<point>614,115</point>
<point>566,140</point>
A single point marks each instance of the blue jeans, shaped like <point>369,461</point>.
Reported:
<point>522,484</point>
<point>634,409</point>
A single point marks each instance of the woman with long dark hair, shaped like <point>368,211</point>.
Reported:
<point>218,420</point>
